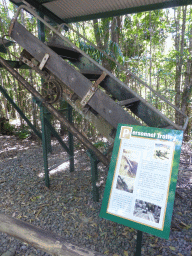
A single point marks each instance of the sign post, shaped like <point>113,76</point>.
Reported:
<point>141,182</point>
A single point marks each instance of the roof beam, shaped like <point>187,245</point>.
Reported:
<point>41,8</point>
<point>143,8</point>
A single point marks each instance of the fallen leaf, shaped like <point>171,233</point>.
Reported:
<point>153,245</point>
<point>94,224</point>
<point>172,248</point>
<point>187,227</point>
<point>126,253</point>
<point>179,254</point>
<point>183,224</point>
<point>38,213</point>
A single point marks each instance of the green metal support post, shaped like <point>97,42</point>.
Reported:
<point>41,36</point>
<point>47,115</point>
<point>71,144</point>
<point>46,124</point>
<point>41,28</point>
<point>139,243</point>
<point>45,149</point>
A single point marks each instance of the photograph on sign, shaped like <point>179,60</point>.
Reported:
<point>139,189</point>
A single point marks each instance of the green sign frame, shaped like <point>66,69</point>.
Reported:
<point>164,147</point>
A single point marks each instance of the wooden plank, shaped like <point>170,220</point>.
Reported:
<point>99,122</point>
<point>82,63</point>
<point>92,76</point>
<point>100,102</point>
<point>128,101</point>
<point>146,112</point>
<point>41,239</point>
<point>64,51</point>
<point>149,114</point>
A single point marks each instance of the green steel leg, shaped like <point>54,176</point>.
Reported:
<point>47,115</point>
<point>56,135</point>
<point>41,28</point>
<point>94,175</point>
<point>71,145</point>
<point>45,150</point>
<point>41,36</point>
<point>139,243</point>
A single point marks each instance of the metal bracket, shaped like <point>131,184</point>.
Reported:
<point>33,63</point>
<point>44,60</point>
<point>28,62</point>
<point>92,90</point>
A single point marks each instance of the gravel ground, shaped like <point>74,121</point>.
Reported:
<point>67,207</point>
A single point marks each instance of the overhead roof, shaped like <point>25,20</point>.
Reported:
<point>80,10</point>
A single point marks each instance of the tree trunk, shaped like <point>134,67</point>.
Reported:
<point>102,36</point>
<point>187,90</point>
<point>179,47</point>
<point>34,107</point>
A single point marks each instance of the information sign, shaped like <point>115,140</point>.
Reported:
<point>141,183</point>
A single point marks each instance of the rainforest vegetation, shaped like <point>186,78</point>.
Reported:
<point>156,46</point>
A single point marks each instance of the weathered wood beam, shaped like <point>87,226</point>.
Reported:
<point>55,113</point>
<point>99,122</point>
<point>128,101</point>
<point>146,112</point>
<point>64,52</point>
<point>41,239</point>
<point>100,102</point>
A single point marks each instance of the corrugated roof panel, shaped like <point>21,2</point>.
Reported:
<point>79,10</point>
<point>74,8</point>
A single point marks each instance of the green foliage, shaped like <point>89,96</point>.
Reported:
<point>139,42</point>
<point>22,133</point>
<point>99,144</point>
